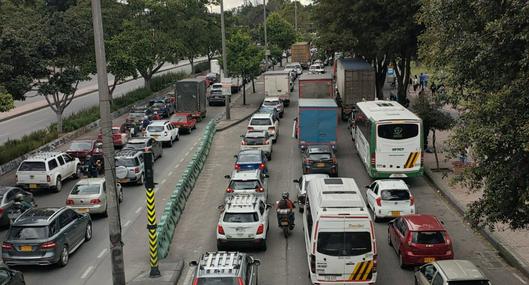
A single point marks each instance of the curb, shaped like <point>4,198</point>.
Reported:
<point>238,121</point>
<point>505,251</point>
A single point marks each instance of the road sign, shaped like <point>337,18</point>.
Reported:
<point>226,86</point>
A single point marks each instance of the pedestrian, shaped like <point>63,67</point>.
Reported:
<point>421,80</point>
<point>415,83</point>
<point>92,166</point>
<point>433,87</point>
<point>392,96</point>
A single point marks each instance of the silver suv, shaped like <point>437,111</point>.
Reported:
<point>225,268</point>
<point>132,160</point>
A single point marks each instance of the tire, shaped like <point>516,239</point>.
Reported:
<point>401,262</point>
<point>375,219</point>
<point>263,245</point>
<point>269,157</point>
<point>88,232</point>
<point>389,240</point>
<point>285,232</point>
<point>120,195</point>
<point>220,246</point>
<point>140,181</point>
<point>416,282</point>
<point>170,142</point>
<point>58,185</point>
<point>64,257</point>
<point>301,210</point>
<point>77,173</point>
<point>178,136</point>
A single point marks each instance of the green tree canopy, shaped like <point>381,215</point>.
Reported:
<point>280,32</point>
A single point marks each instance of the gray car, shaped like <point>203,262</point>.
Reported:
<point>90,196</point>
<point>7,198</point>
<point>44,236</point>
<point>145,143</point>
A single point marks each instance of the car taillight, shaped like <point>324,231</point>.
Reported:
<point>267,142</point>
<point>373,159</point>
<point>250,128</point>
<point>195,281</point>
<point>48,245</point>
<point>237,166</point>
<point>312,263</point>
<point>378,200</point>
<point>136,170</point>
<point>95,201</point>
<point>375,263</point>
<point>422,158</point>
<point>48,178</point>
<point>334,160</point>
<point>164,133</point>
<point>260,229</point>
<point>7,246</point>
<point>243,142</point>
<point>272,129</point>
<point>229,190</point>
<point>239,281</point>
<point>412,200</point>
<point>69,202</point>
<point>220,229</point>
<point>408,238</point>
<point>260,189</point>
<point>262,166</point>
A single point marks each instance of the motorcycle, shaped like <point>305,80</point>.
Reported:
<point>284,221</point>
<point>14,212</point>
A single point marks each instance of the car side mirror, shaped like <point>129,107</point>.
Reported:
<point>242,136</point>
<point>193,263</point>
<point>295,181</point>
<point>235,156</point>
<point>227,176</point>
<point>368,187</point>
<point>268,206</point>
<point>256,262</point>
<point>266,175</point>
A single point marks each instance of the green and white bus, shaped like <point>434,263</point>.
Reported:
<point>389,139</point>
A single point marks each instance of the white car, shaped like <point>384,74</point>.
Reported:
<point>276,103</point>
<point>243,222</point>
<point>298,67</point>
<point>163,131</point>
<point>47,170</point>
<point>90,196</point>
<point>216,87</point>
<point>257,140</point>
<point>390,198</point>
<point>264,122</point>
<point>316,68</point>
<point>301,185</point>
<point>293,69</point>
<point>248,182</point>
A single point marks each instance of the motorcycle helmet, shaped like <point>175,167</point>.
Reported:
<point>284,195</point>
<point>19,197</point>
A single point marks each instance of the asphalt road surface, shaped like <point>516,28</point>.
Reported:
<point>40,119</point>
<point>284,262</point>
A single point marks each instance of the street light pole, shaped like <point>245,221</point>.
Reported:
<point>224,57</point>
<point>265,39</point>
<point>296,15</point>
<point>114,223</point>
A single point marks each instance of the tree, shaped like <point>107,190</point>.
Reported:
<point>6,100</point>
<point>280,32</point>
<point>213,36</point>
<point>482,49</point>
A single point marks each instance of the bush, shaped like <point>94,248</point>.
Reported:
<point>203,66</point>
<point>15,148</point>
<point>163,81</point>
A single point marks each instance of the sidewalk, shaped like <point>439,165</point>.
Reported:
<point>512,245</point>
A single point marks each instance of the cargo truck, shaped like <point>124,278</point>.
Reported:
<point>277,84</point>
<point>300,52</point>
<point>316,86</point>
<point>317,122</point>
<point>355,82</point>
<point>191,97</point>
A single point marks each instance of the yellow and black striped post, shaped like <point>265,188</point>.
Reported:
<point>151,214</point>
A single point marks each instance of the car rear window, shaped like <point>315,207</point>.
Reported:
<point>244,185</point>
<point>344,243</point>
<point>134,145</point>
<point>254,141</point>
<point>320,156</point>
<point>471,282</point>
<point>249,158</point>
<point>217,281</point>
<point>395,195</point>
<point>398,131</point>
<point>80,146</point>
<point>178,119</point>
<point>32,166</point>
<point>436,237</point>
<point>155,128</point>
<point>241,217</point>
<point>260,122</point>
<point>85,189</point>
<point>127,162</point>
<point>25,233</point>
<point>271,103</point>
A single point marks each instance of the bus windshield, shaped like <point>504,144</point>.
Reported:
<point>398,131</point>
<point>344,243</point>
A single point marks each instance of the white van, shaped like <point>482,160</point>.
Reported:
<point>339,233</point>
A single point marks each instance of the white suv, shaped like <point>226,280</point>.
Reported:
<point>163,131</point>
<point>390,198</point>
<point>257,140</point>
<point>248,182</point>
<point>276,103</point>
<point>265,122</point>
<point>243,222</point>
<point>47,170</point>
<point>133,161</point>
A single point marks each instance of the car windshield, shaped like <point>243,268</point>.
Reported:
<point>216,86</point>
<point>395,195</point>
<point>85,189</point>
<point>115,131</point>
<point>32,166</point>
<point>320,156</point>
<point>271,103</point>
<point>178,118</point>
<point>254,140</point>
<point>127,162</point>
<point>260,122</point>
<point>80,146</point>
<point>244,185</point>
<point>470,282</point>
<point>254,158</point>
<point>217,281</point>
<point>241,217</point>
<point>158,105</point>
<point>25,233</point>
<point>436,237</point>
<point>155,128</point>
<point>134,145</point>
<point>344,243</point>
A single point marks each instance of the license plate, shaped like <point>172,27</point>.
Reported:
<point>395,213</point>
<point>33,186</point>
<point>154,136</point>
<point>124,180</point>
<point>330,278</point>
<point>397,175</point>
<point>284,223</point>
<point>26,248</point>
<point>320,164</point>
<point>82,210</point>
<point>429,259</point>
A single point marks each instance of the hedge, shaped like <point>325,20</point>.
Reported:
<point>15,148</point>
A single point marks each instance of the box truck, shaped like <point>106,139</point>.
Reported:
<point>277,84</point>
<point>355,82</point>
<point>316,86</point>
<point>300,52</point>
<point>317,122</point>
<point>191,97</point>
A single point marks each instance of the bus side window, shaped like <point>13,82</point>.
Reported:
<point>309,218</point>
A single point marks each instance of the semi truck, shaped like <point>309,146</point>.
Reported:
<point>317,122</point>
<point>300,52</point>
<point>191,97</point>
<point>355,82</point>
<point>316,86</point>
<point>277,84</point>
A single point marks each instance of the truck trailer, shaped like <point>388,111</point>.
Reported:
<point>300,52</point>
<point>317,122</point>
<point>191,97</point>
<point>316,86</point>
<point>355,82</point>
<point>277,84</point>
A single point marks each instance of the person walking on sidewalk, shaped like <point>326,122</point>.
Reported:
<point>422,79</point>
<point>415,83</point>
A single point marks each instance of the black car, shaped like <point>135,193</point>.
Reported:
<point>320,159</point>
<point>45,236</point>
<point>7,200</point>
<point>11,277</point>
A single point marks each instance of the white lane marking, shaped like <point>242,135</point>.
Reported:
<point>519,278</point>
<point>102,253</point>
<point>139,209</point>
<point>126,224</point>
<point>195,143</point>
<point>156,190</point>
<point>178,165</point>
<point>163,181</point>
<point>187,153</point>
<point>87,272</point>
<point>189,275</point>
<point>182,160</point>
<point>171,172</point>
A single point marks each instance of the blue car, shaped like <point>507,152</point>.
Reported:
<point>270,110</point>
<point>251,159</point>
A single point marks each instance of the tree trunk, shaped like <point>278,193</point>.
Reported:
<point>253,84</point>
<point>381,69</point>
<point>147,80</point>
<point>435,150</point>
<point>59,121</point>
<point>191,62</point>
<point>403,78</point>
<point>243,92</point>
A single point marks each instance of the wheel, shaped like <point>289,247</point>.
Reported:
<point>389,240</point>
<point>64,257</point>
<point>77,173</point>
<point>140,181</point>
<point>285,231</point>
<point>263,245</point>
<point>301,209</point>
<point>58,185</point>
<point>88,232</point>
<point>120,195</point>
<point>178,136</point>
<point>269,157</point>
<point>170,142</point>
<point>220,246</point>
<point>376,219</point>
<point>416,282</point>
<point>401,261</point>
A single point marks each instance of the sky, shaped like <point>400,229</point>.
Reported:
<point>229,4</point>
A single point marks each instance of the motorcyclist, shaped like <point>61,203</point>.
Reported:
<point>91,166</point>
<point>156,116</point>
<point>286,203</point>
<point>145,123</point>
<point>21,203</point>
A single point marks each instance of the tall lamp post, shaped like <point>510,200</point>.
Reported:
<point>265,39</point>
<point>224,57</point>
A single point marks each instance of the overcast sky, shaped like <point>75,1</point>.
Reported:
<point>229,4</point>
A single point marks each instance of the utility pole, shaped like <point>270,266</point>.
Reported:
<point>296,16</point>
<point>224,57</point>
<point>266,41</point>
<point>114,223</point>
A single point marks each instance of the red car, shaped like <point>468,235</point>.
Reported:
<point>119,138</point>
<point>82,148</point>
<point>419,239</point>
<point>184,121</point>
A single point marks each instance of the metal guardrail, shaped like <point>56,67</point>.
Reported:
<point>175,205</point>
